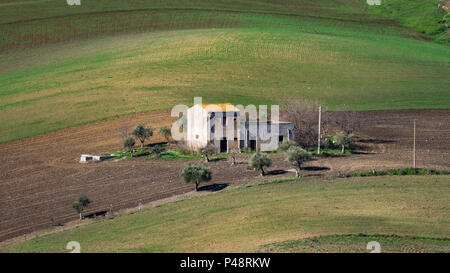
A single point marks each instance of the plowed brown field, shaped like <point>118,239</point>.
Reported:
<point>40,176</point>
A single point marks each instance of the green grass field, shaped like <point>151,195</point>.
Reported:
<point>406,214</point>
<point>357,243</point>
<point>63,66</point>
<point>419,15</point>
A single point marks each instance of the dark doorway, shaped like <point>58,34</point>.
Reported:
<point>223,145</point>
<point>280,139</point>
<point>253,145</point>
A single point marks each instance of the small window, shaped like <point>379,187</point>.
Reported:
<point>196,136</point>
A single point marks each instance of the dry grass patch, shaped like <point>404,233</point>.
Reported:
<point>249,217</point>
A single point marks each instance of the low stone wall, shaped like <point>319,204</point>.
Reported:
<point>93,158</point>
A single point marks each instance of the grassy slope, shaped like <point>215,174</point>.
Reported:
<point>27,10</point>
<point>32,23</point>
<point>420,15</point>
<point>357,243</point>
<point>326,50</point>
<point>250,218</point>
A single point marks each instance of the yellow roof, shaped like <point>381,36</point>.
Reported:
<point>225,107</point>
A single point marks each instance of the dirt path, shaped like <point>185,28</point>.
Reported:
<point>40,176</point>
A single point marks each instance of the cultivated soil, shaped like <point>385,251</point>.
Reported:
<point>41,176</point>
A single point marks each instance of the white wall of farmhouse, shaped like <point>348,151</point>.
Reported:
<point>197,127</point>
<point>206,124</point>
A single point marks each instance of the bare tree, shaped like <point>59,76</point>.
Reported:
<point>347,121</point>
<point>304,114</point>
<point>124,132</point>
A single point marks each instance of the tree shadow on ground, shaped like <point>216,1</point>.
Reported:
<point>217,159</point>
<point>362,153</point>
<point>142,154</point>
<point>213,187</point>
<point>331,156</point>
<point>96,214</point>
<point>376,141</point>
<point>315,168</point>
<point>275,172</point>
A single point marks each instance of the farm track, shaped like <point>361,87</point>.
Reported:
<point>40,176</point>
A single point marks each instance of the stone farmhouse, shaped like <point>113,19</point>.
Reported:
<point>226,128</point>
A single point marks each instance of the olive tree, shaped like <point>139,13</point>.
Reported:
<point>81,203</point>
<point>343,140</point>
<point>348,121</point>
<point>128,145</point>
<point>207,151</point>
<point>166,132</point>
<point>304,115</point>
<point>158,149</point>
<point>296,155</point>
<point>196,174</point>
<point>142,133</point>
<point>259,161</point>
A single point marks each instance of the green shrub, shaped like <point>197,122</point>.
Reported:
<point>166,132</point>
<point>207,151</point>
<point>330,138</point>
<point>158,149</point>
<point>283,147</point>
<point>128,144</point>
<point>403,171</point>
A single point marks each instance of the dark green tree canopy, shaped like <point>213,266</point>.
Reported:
<point>158,149</point>
<point>83,200</point>
<point>196,174</point>
<point>142,133</point>
<point>81,203</point>
<point>77,206</point>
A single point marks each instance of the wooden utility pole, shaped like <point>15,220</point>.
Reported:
<point>414,147</point>
<point>318,137</point>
